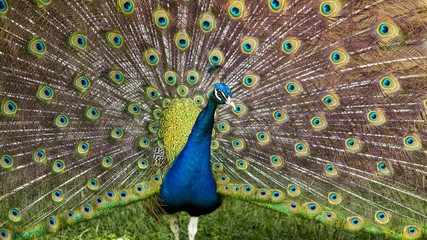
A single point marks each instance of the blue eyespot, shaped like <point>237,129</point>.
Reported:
<point>275,4</point>
<point>15,212</point>
<point>355,221</point>
<point>70,214</point>
<point>373,116</point>
<point>110,194</point>
<point>86,209</point>
<point>381,215</point>
<point>11,106</point>
<point>409,140</point>
<point>182,42</point>
<point>2,5</point>
<point>291,87</point>
<point>40,46</point>
<point>215,59</point>
<point>312,207</point>
<point>411,230</point>
<point>63,119</point>
<point>123,194</point>
<point>336,57</point>
<point>52,221</point>
<point>326,8</point>
<point>263,193</point>
<point>206,25</point>
<point>235,11</point>
<point>40,154</point>
<point>152,58</point>
<point>287,46</point>
<point>127,6</point>
<point>247,47</point>
<point>84,82</point>
<point>47,92</point>
<point>386,82</point>
<point>117,40</point>
<point>293,205</point>
<point>161,21</point>
<point>81,41</point>
<point>99,200</point>
<point>384,29</point>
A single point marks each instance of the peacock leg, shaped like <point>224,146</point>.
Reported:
<point>192,227</point>
<point>174,225</point>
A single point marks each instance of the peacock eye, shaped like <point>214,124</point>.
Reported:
<point>387,30</point>
<point>92,113</point>
<point>250,80</point>
<point>152,93</point>
<point>339,57</point>
<point>238,144</point>
<point>125,6</point>
<point>330,8</point>
<point>182,90</point>
<point>182,40</point>
<point>192,76</point>
<point>242,164</point>
<point>277,5</point>
<point>114,38</point>
<point>161,18</point>
<point>216,57</point>
<point>291,45</point>
<point>236,9</point>
<point>152,57</point>
<point>263,137</point>
<point>276,161</point>
<point>319,123</point>
<point>249,45</point>
<point>82,83</point>
<point>239,109</point>
<point>376,117</point>
<point>37,47</point>
<point>382,217</point>
<point>412,142</point>
<point>199,100</point>
<point>4,8</point>
<point>294,88</point>
<point>116,133</point>
<point>170,77</point>
<point>207,22</point>
<point>280,116</point>
<point>353,145</point>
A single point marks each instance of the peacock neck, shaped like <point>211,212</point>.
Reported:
<point>202,129</point>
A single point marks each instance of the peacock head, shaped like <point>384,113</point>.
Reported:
<point>222,94</point>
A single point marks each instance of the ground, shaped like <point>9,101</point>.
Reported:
<point>233,220</point>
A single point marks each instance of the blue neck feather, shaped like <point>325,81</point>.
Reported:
<point>189,184</point>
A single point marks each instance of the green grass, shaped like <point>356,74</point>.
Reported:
<point>233,220</point>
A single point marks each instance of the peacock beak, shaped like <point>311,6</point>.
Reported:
<point>230,102</point>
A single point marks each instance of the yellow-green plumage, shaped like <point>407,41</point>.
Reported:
<point>98,100</point>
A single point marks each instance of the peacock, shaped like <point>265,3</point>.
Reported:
<point>312,108</point>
